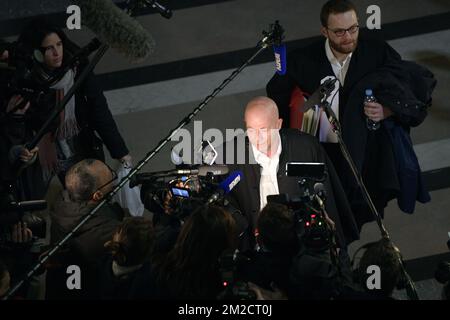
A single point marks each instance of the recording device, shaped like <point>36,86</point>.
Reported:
<point>233,289</point>
<point>226,186</point>
<point>182,190</point>
<point>162,10</point>
<point>13,211</point>
<point>324,90</point>
<point>312,228</point>
<point>310,170</point>
<point>202,171</point>
<point>117,29</point>
<point>25,76</point>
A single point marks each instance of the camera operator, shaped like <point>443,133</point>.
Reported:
<point>72,137</point>
<point>169,210</point>
<point>173,201</point>
<point>383,254</point>
<point>277,241</point>
<point>191,268</point>
<point>88,181</point>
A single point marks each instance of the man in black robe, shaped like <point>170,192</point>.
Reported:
<point>262,159</point>
<point>349,57</point>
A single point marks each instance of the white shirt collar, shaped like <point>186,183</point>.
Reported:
<point>333,60</point>
<point>262,159</point>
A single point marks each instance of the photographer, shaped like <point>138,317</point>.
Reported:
<point>269,266</point>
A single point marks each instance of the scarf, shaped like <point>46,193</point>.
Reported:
<point>67,129</point>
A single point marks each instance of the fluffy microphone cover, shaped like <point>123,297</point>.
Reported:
<point>116,28</point>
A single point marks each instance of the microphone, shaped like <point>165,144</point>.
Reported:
<point>320,194</point>
<point>32,205</point>
<point>280,58</point>
<point>279,48</point>
<point>202,171</point>
<point>316,98</point>
<point>226,186</point>
<point>116,29</point>
<point>163,11</point>
<point>319,189</point>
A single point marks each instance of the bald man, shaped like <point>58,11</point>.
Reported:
<point>267,150</point>
<point>87,182</point>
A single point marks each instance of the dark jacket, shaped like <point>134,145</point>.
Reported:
<point>139,284</point>
<point>405,88</point>
<point>307,66</point>
<point>296,147</point>
<point>88,241</point>
<point>84,249</point>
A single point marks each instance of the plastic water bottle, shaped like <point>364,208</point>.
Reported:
<point>371,125</point>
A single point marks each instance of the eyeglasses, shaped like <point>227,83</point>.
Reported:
<point>341,32</point>
<point>114,178</point>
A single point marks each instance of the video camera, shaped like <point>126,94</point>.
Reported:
<point>233,288</point>
<point>13,211</point>
<point>312,228</point>
<point>23,74</point>
<point>187,187</point>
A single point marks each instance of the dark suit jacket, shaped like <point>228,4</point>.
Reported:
<point>307,66</point>
<point>296,147</point>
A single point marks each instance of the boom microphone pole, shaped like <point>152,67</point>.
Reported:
<point>325,92</point>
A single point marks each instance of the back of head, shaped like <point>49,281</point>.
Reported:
<point>276,228</point>
<point>132,243</point>
<point>206,234</point>
<point>385,256</point>
<point>334,7</point>
<point>89,180</point>
<point>192,268</point>
<point>81,181</point>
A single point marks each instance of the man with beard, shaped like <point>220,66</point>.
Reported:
<point>349,57</point>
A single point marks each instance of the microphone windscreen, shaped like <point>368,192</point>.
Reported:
<point>319,187</point>
<point>116,28</point>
